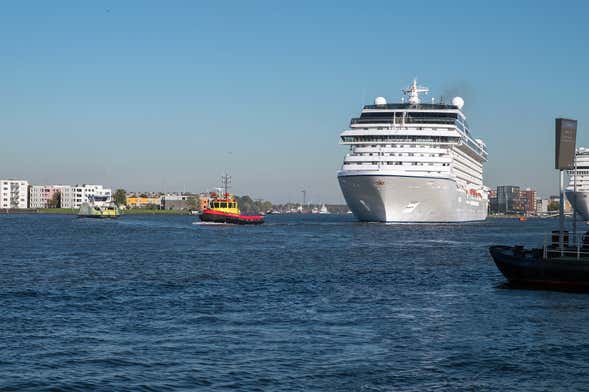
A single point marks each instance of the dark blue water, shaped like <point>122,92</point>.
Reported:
<point>301,303</point>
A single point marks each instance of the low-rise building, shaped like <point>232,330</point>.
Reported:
<point>542,205</point>
<point>40,196</point>
<point>183,202</point>
<point>203,202</point>
<point>142,202</point>
<point>174,202</point>
<point>83,193</point>
<point>14,194</point>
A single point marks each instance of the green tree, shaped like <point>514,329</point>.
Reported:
<point>249,206</point>
<point>266,206</point>
<point>553,206</point>
<point>120,197</point>
<point>55,201</point>
<point>192,203</point>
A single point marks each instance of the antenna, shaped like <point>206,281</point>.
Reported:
<point>226,181</point>
<point>413,92</point>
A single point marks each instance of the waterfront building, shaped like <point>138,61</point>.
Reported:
<point>174,202</point>
<point>142,202</point>
<point>203,202</point>
<point>14,194</point>
<point>542,205</point>
<point>528,200</point>
<point>508,199</point>
<point>40,196</point>
<point>84,193</point>
<point>413,162</point>
<point>492,201</point>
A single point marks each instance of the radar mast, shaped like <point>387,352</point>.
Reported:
<point>413,92</point>
<point>226,181</point>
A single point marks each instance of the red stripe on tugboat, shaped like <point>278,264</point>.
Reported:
<point>209,215</point>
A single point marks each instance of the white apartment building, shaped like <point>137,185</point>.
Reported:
<point>41,195</point>
<point>14,194</point>
<point>83,193</point>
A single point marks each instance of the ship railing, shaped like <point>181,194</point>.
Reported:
<point>400,121</point>
<point>572,245</point>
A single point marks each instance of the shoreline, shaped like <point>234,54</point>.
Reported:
<point>74,211</point>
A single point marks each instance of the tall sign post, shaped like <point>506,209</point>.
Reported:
<point>566,137</point>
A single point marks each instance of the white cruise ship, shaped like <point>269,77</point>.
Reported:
<point>578,187</point>
<point>413,162</point>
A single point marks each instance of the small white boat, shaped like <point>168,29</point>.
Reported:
<point>99,207</point>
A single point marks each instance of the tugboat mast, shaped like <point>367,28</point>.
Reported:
<point>226,181</point>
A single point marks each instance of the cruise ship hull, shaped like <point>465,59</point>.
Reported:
<point>397,198</point>
<point>580,202</point>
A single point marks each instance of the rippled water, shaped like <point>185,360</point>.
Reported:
<point>159,303</point>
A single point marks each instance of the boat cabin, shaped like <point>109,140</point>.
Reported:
<point>226,204</point>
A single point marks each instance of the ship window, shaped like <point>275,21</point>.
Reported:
<point>223,205</point>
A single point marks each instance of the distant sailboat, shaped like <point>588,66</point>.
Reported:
<point>324,210</point>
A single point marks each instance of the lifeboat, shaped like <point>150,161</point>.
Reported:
<point>223,209</point>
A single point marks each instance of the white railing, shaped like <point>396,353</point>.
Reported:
<point>573,245</point>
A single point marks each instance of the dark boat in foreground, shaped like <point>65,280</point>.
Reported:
<point>559,264</point>
<point>223,209</point>
<point>549,267</point>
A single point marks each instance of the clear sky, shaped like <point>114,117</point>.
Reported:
<point>167,95</point>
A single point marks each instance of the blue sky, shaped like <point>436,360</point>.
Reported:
<point>152,95</point>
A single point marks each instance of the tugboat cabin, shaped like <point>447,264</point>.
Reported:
<point>226,204</point>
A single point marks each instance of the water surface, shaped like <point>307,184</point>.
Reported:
<point>159,303</point>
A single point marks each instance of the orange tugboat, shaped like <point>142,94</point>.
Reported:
<point>222,208</point>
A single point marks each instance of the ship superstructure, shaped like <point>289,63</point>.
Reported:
<point>413,162</point>
<point>577,191</point>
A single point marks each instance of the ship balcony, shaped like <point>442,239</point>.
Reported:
<point>403,159</point>
<point>423,171</point>
<point>407,120</point>
<point>414,150</point>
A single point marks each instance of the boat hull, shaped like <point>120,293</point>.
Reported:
<point>89,211</point>
<point>580,202</point>
<point>98,216</point>
<point>223,217</point>
<point>528,268</point>
<point>397,198</point>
